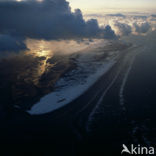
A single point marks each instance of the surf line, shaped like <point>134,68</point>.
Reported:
<point>121,92</point>
<point>121,95</point>
<point>95,109</point>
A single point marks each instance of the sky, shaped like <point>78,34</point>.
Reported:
<point>54,20</point>
<point>89,6</point>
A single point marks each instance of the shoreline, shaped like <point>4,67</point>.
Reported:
<point>67,94</point>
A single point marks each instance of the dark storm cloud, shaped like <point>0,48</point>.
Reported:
<point>108,33</point>
<point>142,28</point>
<point>50,19</point>
<point>123,28</point>
<point>9,43</point>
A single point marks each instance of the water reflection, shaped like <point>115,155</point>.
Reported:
<point>52,54</point>
<point>39,49</point>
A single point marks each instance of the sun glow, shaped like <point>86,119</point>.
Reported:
<point>39,48</point>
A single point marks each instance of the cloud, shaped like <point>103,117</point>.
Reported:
<point>123,28</point>
<point>109,33</point>
<point>142,27</point>
<point>116,15</point>
<point>9,43</point>
<point>48,20</point>
<point>140,17</point>
<point>94,15</point>
<point>153,16</point>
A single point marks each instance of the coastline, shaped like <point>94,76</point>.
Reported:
<point>70,91</point>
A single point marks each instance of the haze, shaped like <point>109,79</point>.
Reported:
<point>88,6</point>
